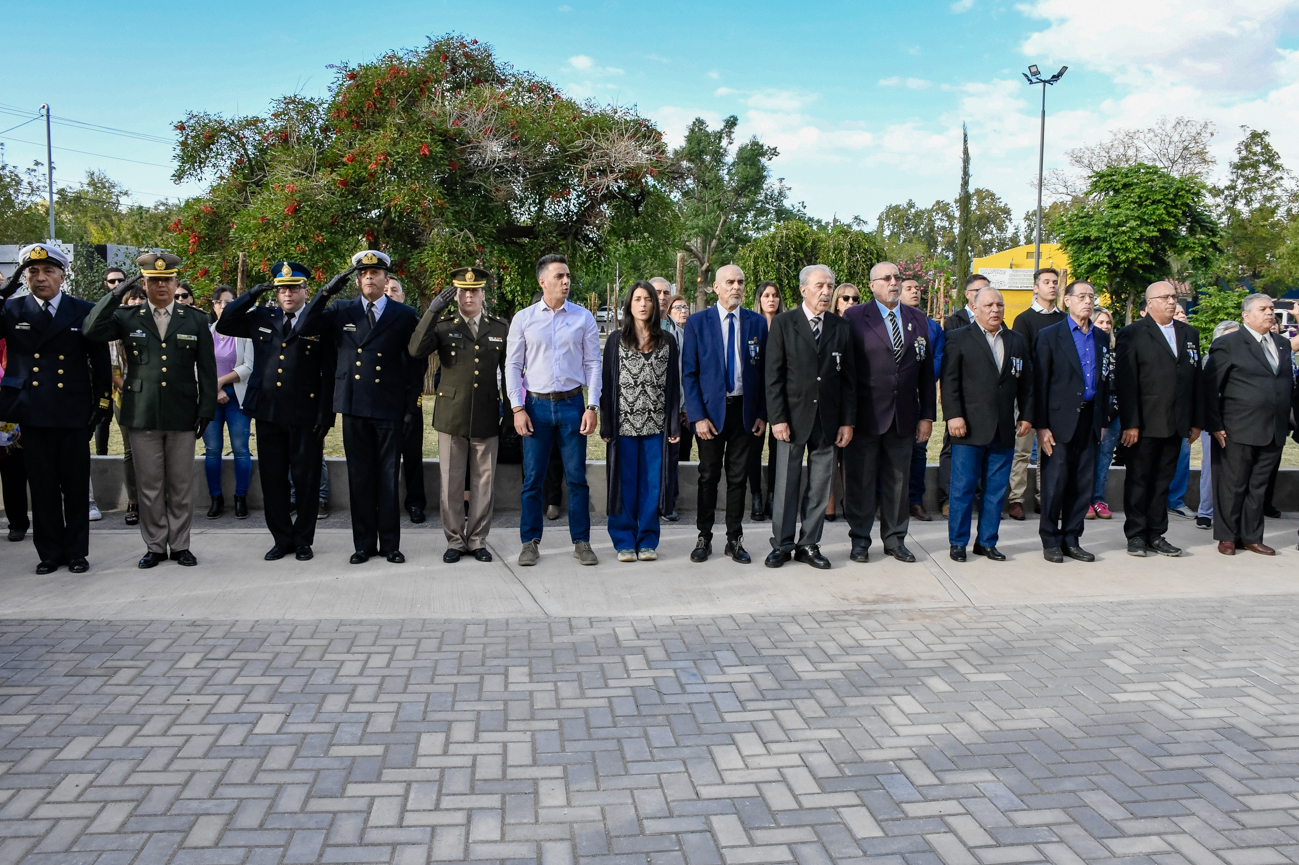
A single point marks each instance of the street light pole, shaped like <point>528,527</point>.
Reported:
<point>1032,77</point>
<point>49,167</point>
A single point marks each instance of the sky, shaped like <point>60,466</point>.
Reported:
<point>864,100</point>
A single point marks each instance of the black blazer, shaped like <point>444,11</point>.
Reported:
<point>610,412</point>
<point>1242,394</point>
<point>957,320</point>
<point>376,377</point>
<point>54,376</point>
<point>1058,381</point>
<point>1159,394</point>
<point>891,395</point>
<point>974,389</point>
<point>809,381</point>
<point>293,375</point>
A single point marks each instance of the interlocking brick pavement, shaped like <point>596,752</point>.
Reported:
<point>1160,732</point>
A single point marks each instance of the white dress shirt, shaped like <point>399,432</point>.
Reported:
<point>739,347</point>
<point>1170,334</point>
<point>52,304</point>
<point>1269,347</point>
<point>552,351</point>
<point>379,306</point>
<point>995,343</point>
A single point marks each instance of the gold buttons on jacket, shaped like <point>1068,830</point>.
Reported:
<point>358,378</point>
<point>37,356</point>
<point>60,357</point>
<point>35,383</point>
<point>377,368</point>
<point>164,345</point>
<point>279,384</point>
<point>164,357</point>
<point>358,363</point>
<point>279,370</point>
<point>36,369</point>
<point>164,369</point>
<point>358,351</point>
<point>60,372</point>
<point>281,357</point>
<point>164,384</point>
<point>60,384</point>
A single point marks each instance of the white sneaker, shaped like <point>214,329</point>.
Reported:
<point>94,512</point>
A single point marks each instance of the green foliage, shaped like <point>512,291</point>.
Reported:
<point>780,254</point>
<point>908,230</point>
<point>964,222</point>
<point>1050,214</point>
<point>1256,203</point>
<point>23,217</point>
<point>1216,304</point>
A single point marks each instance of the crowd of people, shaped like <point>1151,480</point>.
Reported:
<point>842,390</point>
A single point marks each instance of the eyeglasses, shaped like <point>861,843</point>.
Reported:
<point>852,298</point>
<point>679,307</point>
<point>892,277</point>
<point>183,295</point>
<point>114,280</point>
<point>1161,297</point>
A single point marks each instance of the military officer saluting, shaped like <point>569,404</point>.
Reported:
<point>291,396</point>
<point>377,388</point>
<point>57,386</point>
<point>470,345</point>
<point>168,398</point>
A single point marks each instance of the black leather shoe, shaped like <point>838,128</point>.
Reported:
<point>1053,554</point>
<point>78,566</point>
<point>703,549</point>
<point>901,553</point>
<point>47,568</point>
<point>811,555</point>
<point>275,553</point>
<point>359,558</point>
<point>152,560</point>
<point>1163,547</point>
<point>860,553</point>
<point>304,554</point>
<point>991,552</point>
<point>757,514</point>
<point>736,550</point>
<point>217,507</point>
<point>416,514</point>
<point>396,557</point>
<point>1272,512</point>
<point>956,554</point>
<point>831,517</point>
<point>451,556</point>
<point>322,510</point>
<point>1079,554</point>
<point>776,558</point>
<point>241,507</point>
<point>17,534</point>
<point>1137,547</point>
<point>672,516</point>
<point>132,517</point>
<point>483,554</point>
<point>184,558</point>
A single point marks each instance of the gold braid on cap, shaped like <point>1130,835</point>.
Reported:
<point>471,279</point>
<point>159,268</point>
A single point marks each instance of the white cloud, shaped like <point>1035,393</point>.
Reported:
<point>723,91</point>
<point>581,61</point>
<point>780,100</point>
<point>714,74</point>
<point>962,6</point>
<point>565,8</point>
<point>910,83</point>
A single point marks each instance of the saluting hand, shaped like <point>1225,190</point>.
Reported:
<point>442,301</point>
<point>260,289</point>
<point>335,285</point>
<point>11,284</point>
<point>120,290</point>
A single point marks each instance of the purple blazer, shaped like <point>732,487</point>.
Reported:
<point>891,395</point>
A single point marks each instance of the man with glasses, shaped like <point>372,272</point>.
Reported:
<point>1041,313</point>
<point>1160,406</point>
<point>1072,376</point>
<point>291,396</point>
<point>895,412</point>
<point>920,450</point>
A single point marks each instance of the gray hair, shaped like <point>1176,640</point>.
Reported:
<point>1224,327</point>
<point>809,270</point>
<point>1248,303</point>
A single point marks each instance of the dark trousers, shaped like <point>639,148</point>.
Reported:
<point>755,469</point>
<point>1240,478</point>
<point>13,478</point>
<point>945,469</point>
<point>1149,468</point>
<point>728,449</point>
<point>101,436</point>
<point>288,459</point>
<point>58,467</point>
<point>919,462</point>
<point>878,462</point>
<point>676,453</point>
<point>412,465</point>
<point>1068,479</point>
<point>373,448</point>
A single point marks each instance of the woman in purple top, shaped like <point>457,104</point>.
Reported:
<point>234,359</point>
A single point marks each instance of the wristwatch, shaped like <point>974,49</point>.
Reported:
<point>594,408</point>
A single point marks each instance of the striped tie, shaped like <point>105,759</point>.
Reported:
<point>897,335</point>
<point>816,329</point>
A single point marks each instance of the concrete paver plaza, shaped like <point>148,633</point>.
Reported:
<point>249,712</point>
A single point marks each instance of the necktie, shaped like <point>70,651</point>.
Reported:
<point>46,312</point>
<point>369,313</point>
<point>1269,349</point>
<point>730,352</point>
<point>288,323</point>
<point>160,315</point>
<point>816,329</point>
<point>473,329</point>
<point>896,332</point>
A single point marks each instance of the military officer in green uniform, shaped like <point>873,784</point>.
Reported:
<point>470,344</point>
<point>168,398</point>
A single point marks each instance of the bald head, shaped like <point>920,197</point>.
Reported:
<point>989,308</point>
<point>1161,302</point>
<point>884,268</point>
<point>886,283</point>
<point>729,286</point>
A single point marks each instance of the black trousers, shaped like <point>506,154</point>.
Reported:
<point>1149,466</point>
<point>101,437</point>
<point>755,469</point>
<point>1240,478</point>
<point>289,459</point>
<point>58,470</point>
<point>13,478</point>
<point>373,448</point>
<point>729,449</point>
<point>412,465</point>
<point>880,462</point>
<point>944,468</point>
<point>1067,482</point>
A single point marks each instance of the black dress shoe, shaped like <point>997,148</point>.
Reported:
<point>416,514</point>
<point>17,534</point>
<point>359,558</point>
<point>217,507</point>
<point>152,559</point>
<point>672,516</point>
<point>991,552</point>
<point>395,557</point>
<point>1163,547</point>
<point>132,517</point>
<point>304,554</point>
<point>1079,554</point>
<point>451,556</point>
<point>184,558</point>
<point>776,558</point>
<point>956,554</point>
<point>860,553</point>
<point>78,566</point>
<point>483,554</point>
<point>275,553</point>
<point>322,510</point>
<point>757,514</point>
<point>811,555</point>
<point>831,517</point>
<point>901,553</point>
<point>241,507</point>
<point>736,550</point>
<point>1053,554</point>
<point>1137,547</point>
<point>47,567</point>
<point>703,549</point>
<point>1272,512</point>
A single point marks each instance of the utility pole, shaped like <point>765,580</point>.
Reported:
<point>49,166</point>
<point>1032,77</point>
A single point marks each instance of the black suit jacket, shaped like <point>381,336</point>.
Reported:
<point>293,375</point>
<point>809,381</point>
<point>1242,394</point>
<point>1159,394</point>
<point>974,389</point>
<point>54,376</point>
<point>891,395</point>
<point>957,320</point>
<point>1058,381</point>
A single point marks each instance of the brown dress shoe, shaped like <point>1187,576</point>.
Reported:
<point>919,513</point>
<point>1227,548</point>
<point>1015,511</point>
<point>1261,549</point>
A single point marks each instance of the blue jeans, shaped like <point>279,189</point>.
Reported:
<point>1177,489</point>
<point>970,464</point>
<point>552,420</point>
<point>1104,459</point>
<point>231,416</point>
<point>640,471</point>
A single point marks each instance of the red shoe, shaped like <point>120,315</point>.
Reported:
<point>1102,511</point>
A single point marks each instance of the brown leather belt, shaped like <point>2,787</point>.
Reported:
<point>556,397</point>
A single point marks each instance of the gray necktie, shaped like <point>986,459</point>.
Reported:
<point>1269,349</point>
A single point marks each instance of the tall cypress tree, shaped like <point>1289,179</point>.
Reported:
<point>963,221</point>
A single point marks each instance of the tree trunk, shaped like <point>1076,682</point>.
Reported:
<point>681,273</point>
<point>241,275</point>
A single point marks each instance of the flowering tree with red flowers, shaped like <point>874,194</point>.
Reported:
<point>442,157</point>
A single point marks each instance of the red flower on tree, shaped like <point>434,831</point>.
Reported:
<point>423,150</point>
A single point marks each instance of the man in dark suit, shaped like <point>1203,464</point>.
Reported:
<point>291,396</point>
<point>1160,406</point>
<point>377,386</point>
<point>412,442</point>
<point>986,375</point>
<point>723,368</point>
<point>962,317</point>
<point>1072,375</point>
<point>812,406</point>
<point>895,410</point>
<point>58,387</point>
<point>1249,382</point>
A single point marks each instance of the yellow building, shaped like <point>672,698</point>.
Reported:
<point>1011,272</point>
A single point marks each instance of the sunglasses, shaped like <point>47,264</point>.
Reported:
<point>115,280</point>
<point>183,295</point>
<point>853,297</point>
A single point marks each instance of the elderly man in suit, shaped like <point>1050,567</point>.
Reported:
<point>812,407</point>
<point>893,356</point>
<point>986,375</point>
<point>1249,383</point>
<point>1160,406</point>
<point>963,317</point>
<point>1072,375</point>
<point>724,376</point>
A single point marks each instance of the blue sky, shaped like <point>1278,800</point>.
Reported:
<point>864,100</point>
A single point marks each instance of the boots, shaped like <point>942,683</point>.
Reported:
<point>241,507</point>
<point>218,507</point>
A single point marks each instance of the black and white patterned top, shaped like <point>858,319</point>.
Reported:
<point>642,389</point>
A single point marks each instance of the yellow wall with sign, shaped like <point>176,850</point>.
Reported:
<point>1021,258</point>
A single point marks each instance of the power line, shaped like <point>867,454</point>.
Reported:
<point>92,127</point>
<point>88,153</point>
<point>20,125</point>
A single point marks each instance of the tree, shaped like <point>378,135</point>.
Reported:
<point>1178,145</point>
<point>992,224</point>
<point>908,230</point>
<point>442,156</point>
<point>780,254</point>
<point>961,255</point>
<point>23,217</point>
<point>1213,305</point>
<point>1255,205</point>
<point>1050,213</point>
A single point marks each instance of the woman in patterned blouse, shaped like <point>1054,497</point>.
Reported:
<point>640,416</point>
